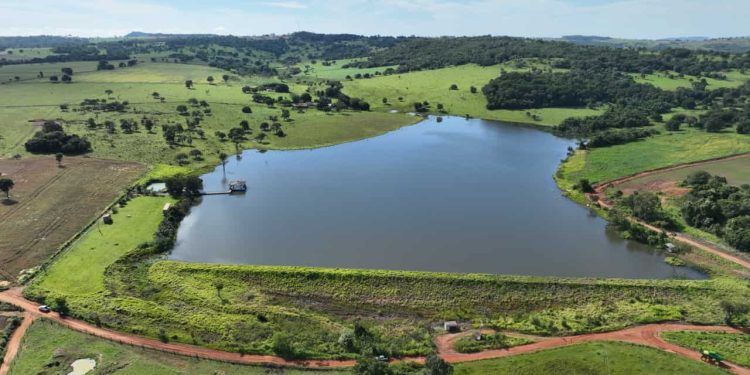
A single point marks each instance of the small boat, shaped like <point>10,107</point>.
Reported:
<point>238,186</point>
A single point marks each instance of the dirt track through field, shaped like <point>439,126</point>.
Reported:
<point>647,335</point>
<point>600,192</point>
<point>11,349</point>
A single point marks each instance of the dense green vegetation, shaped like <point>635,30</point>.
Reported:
<point>717,207</point>
<point>591,358</point>
<point>735,347</point>
<point>473,343</point>
<point>50,349</point>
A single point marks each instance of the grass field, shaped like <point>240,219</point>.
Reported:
<point>333,71</point>
<point>433,86</point>
<point>605,358</point>
<point>39,99</point>
<point>27,72</point>
<point>80,270</point>
<point>51,204</point>
<point>737,172</point>
<point>664,82</point>
<point>50,349</point>
<point>668,148</point>
<point>734,347</point>
<point>14,54</point>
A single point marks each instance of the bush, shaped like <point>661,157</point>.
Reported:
<point>737,232</point>
<point>52,139</point>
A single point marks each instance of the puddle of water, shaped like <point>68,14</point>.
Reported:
<point>82,366</point>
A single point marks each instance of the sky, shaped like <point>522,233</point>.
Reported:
<point>648,19</point>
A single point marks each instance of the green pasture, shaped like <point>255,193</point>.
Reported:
<point>335,70</point>
<point>30,72</point>
<point>80,269</point>
<point>24,101</point>
<point>15,54</point>
<point>605,358</point>
<point>735,347</point>
<point>671,81</point>
<point>665,149</point>
<point>49,348</point>
<point>433,86</point>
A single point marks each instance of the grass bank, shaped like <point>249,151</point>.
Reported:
<point>592,359</point>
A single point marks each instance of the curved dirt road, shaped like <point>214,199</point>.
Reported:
<point>647,335</point>
<point>644,335</point>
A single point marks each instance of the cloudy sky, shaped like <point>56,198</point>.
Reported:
<point>535,18</point>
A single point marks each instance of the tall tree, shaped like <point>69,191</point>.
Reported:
<point>6,184</point>
<point>59,158</point>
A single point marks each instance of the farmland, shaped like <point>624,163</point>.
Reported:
<point>736,171</point>
<point>50,204</point>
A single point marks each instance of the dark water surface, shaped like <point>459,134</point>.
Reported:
<point>459,196</point>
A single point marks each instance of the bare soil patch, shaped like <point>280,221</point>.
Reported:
<point>49,204</point>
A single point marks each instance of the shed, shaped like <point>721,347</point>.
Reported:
<point>451,326</point>
<point>107,219</point>
<point>166,208</point>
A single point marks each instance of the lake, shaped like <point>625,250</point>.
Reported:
<point>458,196</point>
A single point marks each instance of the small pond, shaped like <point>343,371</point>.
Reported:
<point>457,195</point>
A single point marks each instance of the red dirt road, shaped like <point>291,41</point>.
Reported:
<point>647,335</point>
<point>644,335</point>
<point>14,343</point>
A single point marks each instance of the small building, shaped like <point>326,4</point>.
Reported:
<point>451,326</point>
<point>166,208</point>
<point>107,218</point>
<point>237,186</point>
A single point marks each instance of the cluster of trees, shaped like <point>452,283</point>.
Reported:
<point>103,105</point>
<point>717,207</point>
<point>52,139</point>
<point>577,88</point>
<point>718,119</point>
<point>332,91</point>
<point>614,117</point>
<point>166,234</point>
<point>431,53</point>
<point>611,137</point>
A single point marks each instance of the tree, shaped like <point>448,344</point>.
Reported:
<point>247,109</point>
<point>221,135</point>
<point>61,306</point>
<point>59,158</point>
<point>108,92</point>
<point>53,79</point>
<point>454,87</point>
<point>371,366</point>
<point>210,79</point>
<point>743,127</point>
<point>282,345</point>
<point>225,78</point>
<point>196,154</point>
<point>148,124</point>
<point>737,232</point>
<point>181,158</point>
<point>223,160</point>
<point>473,89</point>
<point>6,184</point>
<point>219,286</point>
<point>67,71</point>
<point>245,125</point>
<point>385,100</point>
<point>189,84</point>
<point>435,365</point>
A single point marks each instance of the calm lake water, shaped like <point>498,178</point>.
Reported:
<point>459,196</point>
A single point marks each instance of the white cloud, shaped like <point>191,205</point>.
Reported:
<point>286,4</point>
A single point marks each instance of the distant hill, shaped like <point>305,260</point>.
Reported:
<point>734,45</point>
<point>144,35</point>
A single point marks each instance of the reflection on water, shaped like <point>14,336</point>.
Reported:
<point>460,196</point>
